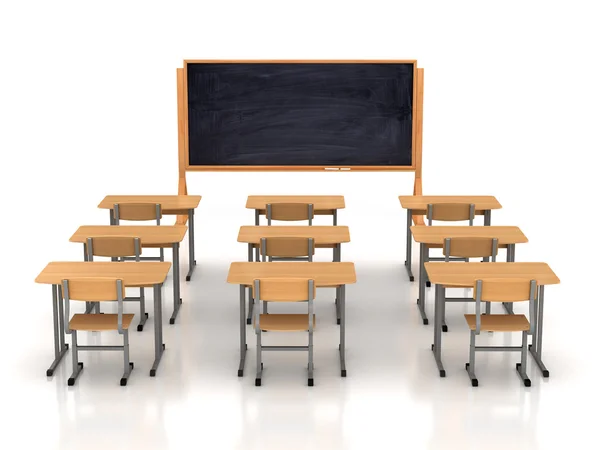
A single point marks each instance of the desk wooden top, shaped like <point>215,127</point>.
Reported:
<point>435,235</point>
<point>325,274</point>
<point>133,274</point>
<point>321,234</point>
<point>168,202</point>
<point>465,274</point>
<point>320,202</point>
<point>420,202</point>
<point>149,234</point>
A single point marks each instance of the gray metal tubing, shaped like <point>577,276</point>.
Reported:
<point>126,367</point>
<point>459,299</point>
<point>408,261</point>
<point>335,217</point>
<point>191,244</point>
<point>74,350</point>
<point>311,249</point>
<point>142,301</point>
<point>437,328</point>
<point>62,319</point>
<point>250,300</point>
<point>443,259</point>
<point>100,347</point>
<point>429,214</point>
<point>142,258</point>
<point>243,324</point>
<point>311,212</point>
<point>532,292</point>
<point>337,304</point>
<point>256,217</point>
<point>471,214</point>
<point>471,368</point>
<point>55,301</point>
<point>158,338</point>
<point>268,213</point>
<point>540,322</point>
<point>273,348</point>
<point>65,286</point>
<point>263,249</point>
<point>310,327</point>
<point>498,349</point>
<point>487,217</point>
<point>120,306</point>
<point>342,306</point>
<point>478,307</point>
<point>524,353</point>
<point>421,299</point>
<point>510,257</point>
<point>258,330</point>
<point>176,282</point>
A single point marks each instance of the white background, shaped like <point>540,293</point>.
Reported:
<point>88,108</point>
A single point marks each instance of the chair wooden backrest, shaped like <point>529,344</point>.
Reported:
<point>137,212</point>
<point>450,212</point>
<point>93,289</point>
<point>506,290</point>
<point>113,246</point>
<point>292,248</point>
<point>290,212</point>
<point>470,247</point>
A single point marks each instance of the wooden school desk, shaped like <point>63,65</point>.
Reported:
<point>416,205</point>
<point>325,205</point>
<point>464,275</point>
<point>426,236</point>
<point>324,236</point>
<point>155,235</point>
<point>170,205</point>
<point>133,274</point>
<point>325,274</point>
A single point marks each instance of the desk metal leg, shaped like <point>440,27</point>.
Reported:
<point>159,346</point>
<point>421,298</point>
<point>510,257</point>
<point>408,261</point>
<point>487,221</point>
<point>112,222</point>
<point>60,348</point>
<point>440,294</point>
<point>536,347</point>
<point>250,299</point>
<point>243,345</point>
<point>256,217</point>
<point>337,306</point>
<point>335,217</point>
<point>192,257</point>
<point>342,306</point>
<point>176,284</point>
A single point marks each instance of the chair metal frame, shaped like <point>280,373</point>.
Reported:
<point>260,348</point>
<point>522,366</point>
<point>91,306</point>
<point>77,365</point>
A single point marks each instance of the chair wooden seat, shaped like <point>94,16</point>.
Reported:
<point>99,322</point>
<point>285,322</point>
<point>499,322</point>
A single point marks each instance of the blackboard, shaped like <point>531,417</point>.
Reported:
<point>300,114</point>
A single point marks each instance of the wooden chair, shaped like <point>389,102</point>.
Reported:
<point>118,247</point>
<point>284,290</point>
<point>463,248</point>
<point>140,212</point>
<point>448,212</point>
<point>96,290</point>
<point>286,249</point>
<point>290,212</point>
<point>501,290</point>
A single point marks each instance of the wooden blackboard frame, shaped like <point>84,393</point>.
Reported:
<point>182,126</point>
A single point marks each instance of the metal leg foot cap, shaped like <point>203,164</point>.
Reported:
<point>443,373</point>
<point>529,346</point>
<point>467,366</point>
<point>146,315</point>
<point>412,278</point>
<point>49,372</point>
<point>188,278</point>
<point>257,382</point>
<point>425,322</point>
<point>518,366</point>
<point>140,327</point>
<point>428,283</point>
<point>344,373</point>
<point>163,346</point>
<point>240,373</point>
<point>444,328</point>
<point>338,321</point>
<point>545,373</point>
<point>80,364</point>
<point>474,382</point>
<point>123,381</point>
<point>71,382</point>
<point>152,372</point>
<point>131,365</point>
<point>311,382</point>
<point>66,346</point>
<point>171,320</point>
<point>527,382</point>
<point>249,321</point>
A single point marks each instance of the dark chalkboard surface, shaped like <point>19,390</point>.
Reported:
<point>300,114</point>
